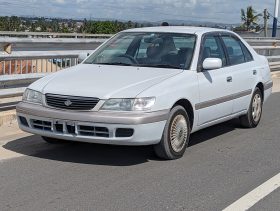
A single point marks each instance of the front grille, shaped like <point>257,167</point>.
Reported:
<point>70,128</point>
<point>93,131</point>
<point>41,125</point>
<point>71,102</point>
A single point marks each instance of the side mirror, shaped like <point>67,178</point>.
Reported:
<point>212,63</point>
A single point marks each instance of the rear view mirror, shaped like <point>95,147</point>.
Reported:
<point>212,63</point>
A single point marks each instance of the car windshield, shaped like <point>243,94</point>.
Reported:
<point>147,49</point>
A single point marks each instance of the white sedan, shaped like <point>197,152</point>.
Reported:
<point>150,86</point>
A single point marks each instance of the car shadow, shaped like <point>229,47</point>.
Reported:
<point>98,154</point>
<point>213,131</point>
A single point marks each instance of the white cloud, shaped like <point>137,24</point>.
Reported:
<point>60,1</point>
<point>150,10</point>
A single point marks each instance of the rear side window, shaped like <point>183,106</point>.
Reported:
<point>234,49</point>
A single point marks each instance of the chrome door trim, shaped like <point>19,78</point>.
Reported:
<point>224,99</point>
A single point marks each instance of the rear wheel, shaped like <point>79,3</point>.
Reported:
<point>176,134</point>
<point>54,140</point>
<point>253,116</point>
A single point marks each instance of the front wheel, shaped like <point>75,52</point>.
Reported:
<point>175,136</point>
<point>253,116</point>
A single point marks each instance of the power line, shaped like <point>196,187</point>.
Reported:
<point>270,15</point>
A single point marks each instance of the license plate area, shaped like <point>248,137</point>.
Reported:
<point>58,126</point>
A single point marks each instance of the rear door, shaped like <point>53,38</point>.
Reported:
<point>215,86</point>
<point>243,70</point>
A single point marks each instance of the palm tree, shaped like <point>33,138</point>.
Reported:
<point>250,18</point>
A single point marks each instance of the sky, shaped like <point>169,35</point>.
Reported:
<point>219,11</point>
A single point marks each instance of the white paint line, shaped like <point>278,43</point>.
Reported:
<point>253,197</point>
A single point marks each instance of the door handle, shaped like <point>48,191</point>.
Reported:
<point>254,72</point>
<point>229,79</point>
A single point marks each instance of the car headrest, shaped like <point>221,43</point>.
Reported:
<point>206,53</point>
<point>230,51</point>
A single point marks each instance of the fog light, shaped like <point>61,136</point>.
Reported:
<point>124,132</point>
<point>23,121</point>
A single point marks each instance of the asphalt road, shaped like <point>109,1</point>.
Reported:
<point>222,164</point>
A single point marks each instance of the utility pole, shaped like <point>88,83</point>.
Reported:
<point>275,19</point>
<point>265,18</point>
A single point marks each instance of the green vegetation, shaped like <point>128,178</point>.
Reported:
<point>250,19</point>
<point>15,23</point>
<point>107,27</point>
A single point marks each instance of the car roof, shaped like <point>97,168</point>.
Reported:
<point>177,29</point>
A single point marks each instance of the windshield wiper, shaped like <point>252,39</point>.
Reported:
<point>115,63</point>
<point>162,66</point>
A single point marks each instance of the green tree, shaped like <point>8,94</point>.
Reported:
<point>4,23</point>
<point>64,25</point>
<point>250,18</point>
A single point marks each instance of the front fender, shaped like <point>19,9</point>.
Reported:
<point>167,93</point>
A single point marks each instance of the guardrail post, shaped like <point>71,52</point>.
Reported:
<point>10,67</point>
<point>15,71</point>
<point>20,66</point>
<point>36,65</point>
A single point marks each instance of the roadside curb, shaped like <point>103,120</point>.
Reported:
<point>7,117</point>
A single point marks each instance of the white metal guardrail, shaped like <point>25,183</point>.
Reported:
<point>36,63</point>
<point>27,62</point>
<point>11,44</point>
<point>51,35</point>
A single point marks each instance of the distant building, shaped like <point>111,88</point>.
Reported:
<point>79,24</point>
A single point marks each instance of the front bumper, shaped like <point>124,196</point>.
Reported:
<point>92,127</point>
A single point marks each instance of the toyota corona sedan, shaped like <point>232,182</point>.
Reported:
<point>150,86</point>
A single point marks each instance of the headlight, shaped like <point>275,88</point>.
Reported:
<point>32,96</point>
<point>138,104</point>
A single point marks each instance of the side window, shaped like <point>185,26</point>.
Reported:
<point>247,54</point>
<point>234,50</point>
<point>212,48</point>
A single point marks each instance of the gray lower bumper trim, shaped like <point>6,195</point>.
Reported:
<point>126,118</point>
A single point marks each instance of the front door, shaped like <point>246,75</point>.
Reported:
<point>215,86</point>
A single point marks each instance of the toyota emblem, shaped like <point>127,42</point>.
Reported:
<point>68,102</point>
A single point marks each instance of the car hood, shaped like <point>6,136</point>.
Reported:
<point>103,81</point>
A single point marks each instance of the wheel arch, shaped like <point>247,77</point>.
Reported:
<point>261,87</point>
<point>186,104</point>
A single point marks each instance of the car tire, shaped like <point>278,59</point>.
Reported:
<point>175,136</point>
<point>253,116</point>
<point>54,140</point>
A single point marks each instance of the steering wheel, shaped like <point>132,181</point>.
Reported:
<point>131,58</point>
